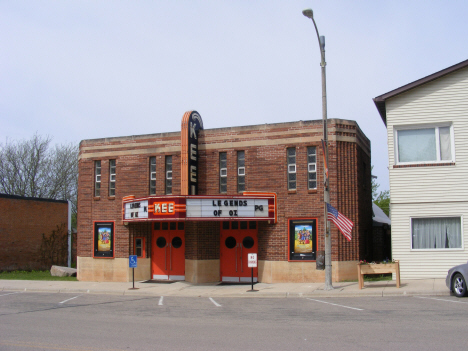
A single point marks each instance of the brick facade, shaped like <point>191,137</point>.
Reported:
<point>265,149</point>
<point>22,223</point>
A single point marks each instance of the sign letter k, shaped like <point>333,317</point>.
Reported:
<point>192,131</point>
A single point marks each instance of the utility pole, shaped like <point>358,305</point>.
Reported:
<point>326,194</point>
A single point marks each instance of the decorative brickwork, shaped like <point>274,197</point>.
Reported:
<point>265,171</point>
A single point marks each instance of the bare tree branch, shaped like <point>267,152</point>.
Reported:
<point>32,168</point>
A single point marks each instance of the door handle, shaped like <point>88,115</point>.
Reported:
<point>241,258</point>
<point>170,256</point>
<point>236,256</point>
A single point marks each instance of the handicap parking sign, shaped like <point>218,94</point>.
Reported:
<point>132,261</point>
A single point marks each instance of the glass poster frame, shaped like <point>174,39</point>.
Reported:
<point>104,237</point>
<point>302,239</point>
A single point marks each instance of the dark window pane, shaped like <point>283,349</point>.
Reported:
<point>230,242</point>
<point>225,225</point>
<point>180,225</point>
<point>248,242</point>
<point>234,225</point>
<point>161,242</point>
<point>173,226</point>
<point>243,225</point>
<point>157,226</point>
<point>252,225</point>
<point>165,226</point>
<point>176,242</point>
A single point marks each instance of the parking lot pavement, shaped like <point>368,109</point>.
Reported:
<point>86,321</point>
<point>434,287</point>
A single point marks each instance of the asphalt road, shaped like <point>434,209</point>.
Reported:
<point>53,321</point>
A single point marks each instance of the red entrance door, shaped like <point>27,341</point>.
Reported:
<point>238,239</point>
<point>168,251</point>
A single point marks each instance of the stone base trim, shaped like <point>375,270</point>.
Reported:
<point>208,271</point>
<point>111,270</point>
<point>202,271</point>
<point>303,272</point>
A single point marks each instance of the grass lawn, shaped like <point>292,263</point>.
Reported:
<point>32,275</point>
<point>373,278</point>
<point>377,277</point>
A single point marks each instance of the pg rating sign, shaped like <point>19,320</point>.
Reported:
<point>252,260</point>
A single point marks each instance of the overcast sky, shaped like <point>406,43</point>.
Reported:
<point>78,70</point>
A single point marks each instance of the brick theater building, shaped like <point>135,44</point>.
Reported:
<point>193,204</point>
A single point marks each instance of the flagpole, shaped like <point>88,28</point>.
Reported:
<point>326,195</point>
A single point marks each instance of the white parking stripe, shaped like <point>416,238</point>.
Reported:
<point>70,299</point>
<point>433,298</point>
<point>334,304</point>
<point>160,303</point>
<point>10,293</point>
<point>215,303</point>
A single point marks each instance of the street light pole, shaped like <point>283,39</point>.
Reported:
<point>326,195</point>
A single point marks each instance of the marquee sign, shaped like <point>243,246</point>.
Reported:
<point>227,208</point>
<point>202,208</point>
<point>191,125</point>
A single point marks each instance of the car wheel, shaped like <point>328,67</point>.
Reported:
<point>459,285</point>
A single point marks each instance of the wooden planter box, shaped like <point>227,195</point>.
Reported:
<point>378,268</point>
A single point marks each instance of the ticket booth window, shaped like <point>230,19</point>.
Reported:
<point>139,247</point>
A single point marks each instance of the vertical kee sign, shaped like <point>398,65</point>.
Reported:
<point>191,125</point>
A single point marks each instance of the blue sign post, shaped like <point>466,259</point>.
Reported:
<point>132,263</point>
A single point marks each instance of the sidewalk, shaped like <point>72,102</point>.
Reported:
<point>434,287</point>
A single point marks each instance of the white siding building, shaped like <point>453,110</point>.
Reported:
<point>427,131</point>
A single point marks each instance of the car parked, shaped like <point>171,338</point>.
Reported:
<point>456,280</point>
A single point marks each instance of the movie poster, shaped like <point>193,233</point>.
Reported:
<point>303,239</point>
<point>104,239</point>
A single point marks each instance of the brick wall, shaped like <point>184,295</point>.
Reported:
<point>265,170</point>
<point>22,223</point>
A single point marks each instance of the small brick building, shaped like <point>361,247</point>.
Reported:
<point>23,220</point>
<point>193,204</point>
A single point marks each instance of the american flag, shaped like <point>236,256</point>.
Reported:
<point>344,224</point>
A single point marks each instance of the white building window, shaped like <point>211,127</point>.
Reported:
<point>436,233</point>
<point>240,171</point>
<point>223,172</point>
<point>424,145</point>
<point>168,175</point>
<point>291,154</point>
<point>111,177</point>
<point>97,178</point>
<point>312,167</point>
<point>152,176</point>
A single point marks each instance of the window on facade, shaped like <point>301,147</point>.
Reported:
<point>152,176</point>
<point>111,177</point>
<point>432,144</point>
<point>312,167</point>
<point>240,171</point>
<point>168,175</point>
<point>436,233</point>
<point>291,154</point>
<point>97,178</point>
<point>222,172</point>
<point>140,247</point>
